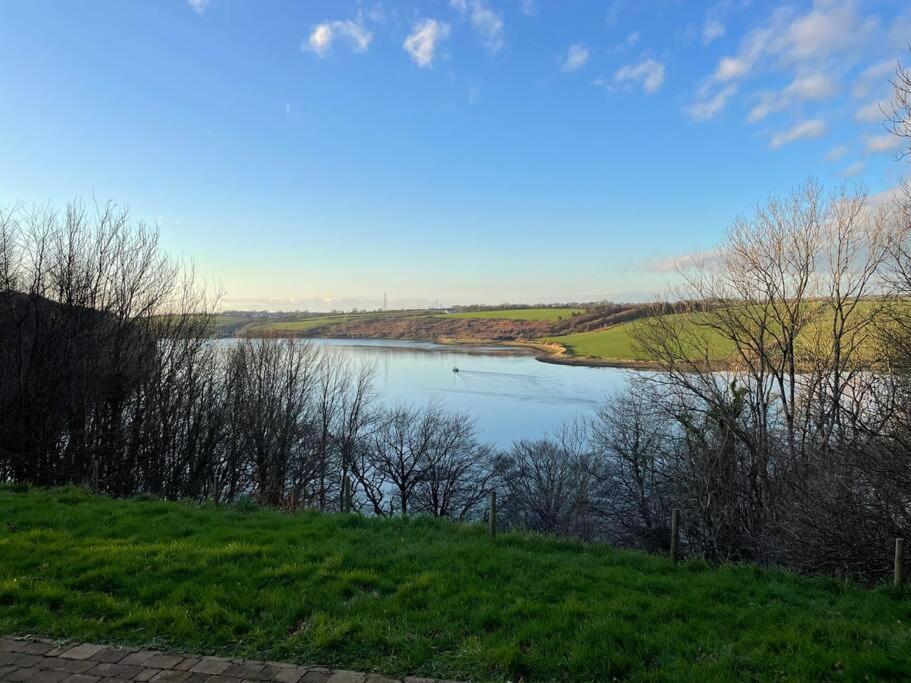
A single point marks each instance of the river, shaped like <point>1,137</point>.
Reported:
<point>510,394</point>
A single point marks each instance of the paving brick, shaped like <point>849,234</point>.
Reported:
<point>29,661</point>
<point>375,678</point>
<point>222,679</point>
<point>343,676</point>
<point>37,647</point>
<point>9,658</point>
<point>147,674</point>
<point>115,670</point>
<point>81,678</point>
<point>47,676</point>
<point>7,644</point>
<point>111,655</point>
<point>245,670</point>
<point>316,676</point>
<point>163,661</point>
<point>170,676</point>
<point>197,678</point>
<point>211,665</point>
<point>186,663</point>
<point>76,666</point>
<point>4,670</point>
<point>83,651</point>
<point>417,679</point>
<point>288,674</point>
<point>139,657</point>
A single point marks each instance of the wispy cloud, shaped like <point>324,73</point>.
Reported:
<point>712,30</point>
<point>883,143</point>
<point>810,44</point>
<point>487,23</point>
<point>836,153</point>
<point>679,262</point>
<point>323,36</point>
<point>854,169</point>
<point>529,8</point>
<point>423,41</point>
<point>198,5</point>
<point>648,72</point>
<point>874,75</point>
<point>576,57</point>
<point>805,130</point>
<point>705,109</point>
<point>872,112</point>
<point>613,13</point>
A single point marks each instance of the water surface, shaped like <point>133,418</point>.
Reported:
<point>511,395</point>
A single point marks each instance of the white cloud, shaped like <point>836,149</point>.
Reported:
<point>815,86</point>
<point>625,44</point>
<point>613,13</point>
<point>423,41</point>
<point>198,5</point>
<point>874,75</point>
<point>805,130</point>
<point>769,103</point>
<point>486,23</point>
<point>705,109</point>
<point>836,153</point>
<point>682,262</point>
<point>872,112</point>
<point>854,169</point>
<point>648,72</point>
<point>529,8</point>
<point>324,35</point>
<point>814,43</point>
<point>883,143</point>
<point>576,57</point>
<point>712,30</point>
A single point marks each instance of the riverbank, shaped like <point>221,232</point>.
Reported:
<point>421,597</point>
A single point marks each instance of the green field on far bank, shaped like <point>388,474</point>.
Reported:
<point>618,342</point>
<point>423,597</point>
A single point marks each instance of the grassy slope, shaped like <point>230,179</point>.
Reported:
<point>617,343</point>
<point>546,314</point>
<point>422,597</point>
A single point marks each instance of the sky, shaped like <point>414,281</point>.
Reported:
<point>314,154</point>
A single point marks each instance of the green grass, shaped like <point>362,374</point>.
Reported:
<point>545,314</point>
<point>618,343</point>
<point>298,325</point>
<point>423,597</point>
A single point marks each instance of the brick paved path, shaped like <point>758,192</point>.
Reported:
<point>47,661</point>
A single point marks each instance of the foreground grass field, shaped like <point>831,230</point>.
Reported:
<point>422,597</point>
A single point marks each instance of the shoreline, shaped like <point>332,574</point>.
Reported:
<point>544,352</point>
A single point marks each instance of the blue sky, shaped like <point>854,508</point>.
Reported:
<point>314,154</point>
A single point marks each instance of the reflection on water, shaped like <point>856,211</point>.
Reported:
<point>511,395</point>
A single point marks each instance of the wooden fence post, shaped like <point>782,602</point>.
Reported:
<point>675,533</point>
<point>899,562</point>
<point>94,476</point>
<point>492,516</point>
